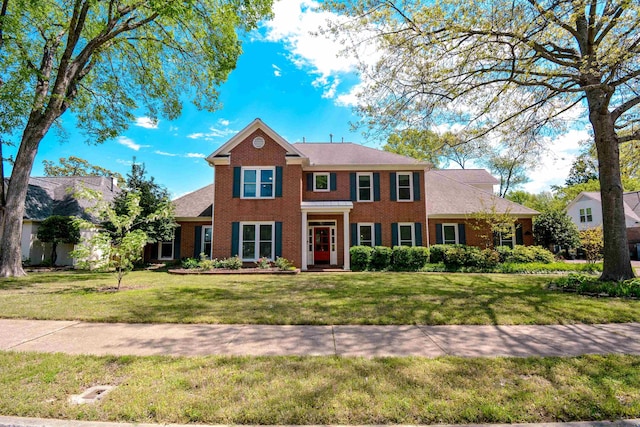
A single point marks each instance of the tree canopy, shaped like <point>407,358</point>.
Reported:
<point>527,66</point>
<point>75,166</point>
<point>58,229</point>
<point>105,60</point>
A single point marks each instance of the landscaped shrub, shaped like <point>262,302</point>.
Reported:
<point>524,254</point>
<point>489,259</point>
<point>263,263</point>
<point>233,263</point>
<point>592,285</point>
<point>402,259</point>
<point>504,252</point>
<point>419,257</point>
<point>284,264</point>
<point>456,256</point>
<point>360,257</point>
<point>380,258</point>
<point>436,253</point>
<point>190,263</point>
<point>207,264</point>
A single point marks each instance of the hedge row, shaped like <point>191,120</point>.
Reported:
<point>379,258</point>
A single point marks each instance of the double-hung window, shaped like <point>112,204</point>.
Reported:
<point>405,186</point>
<point>321,182</point>
<point>365,187</point>
<point>257,183</point>
<point>366,234</point>
<point>165,250</point>
<point>257,240</point>
<point>450,234</point>
<point>585,215</point>
<point>507,235</point>
<point>205,247</point>
<point>406,235</point>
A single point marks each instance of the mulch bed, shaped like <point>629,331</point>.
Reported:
<point>184,271</point>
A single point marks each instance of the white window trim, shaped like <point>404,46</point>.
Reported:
<point>413,232</point>
<point>584,214</point>
<point>410,174</point>
<point>322,190</point>
<point>358,175</point>
<point>513,237</point>
<point>455,228</point>
<point>258,169</point>
<point>160,257</point>
<point>203,242</point>
<point>373,232</point>
<point>257,224</point>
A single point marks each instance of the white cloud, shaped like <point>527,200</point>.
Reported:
<point>276,70</point>
<point>195,155</point>
<point>130,143</point>
<point>221,130</point>
<point>147,122</point>
<point>164,153</point>
<point>124,162</point>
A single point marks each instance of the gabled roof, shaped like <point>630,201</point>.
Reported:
<point>629,201</point>
<point>196,204</point>
<point>48,196</point>
<point>225,149</point>
<point>449,197</point>
<point>347,154</point>
<point>470,176</point>
<point>632,199</point>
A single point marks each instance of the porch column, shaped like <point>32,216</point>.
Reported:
<point>303,267</point>
<point>345,232</point>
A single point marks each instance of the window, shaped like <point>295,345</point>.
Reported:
<point>365,184</point>
<point>205,247</point>
<point>165,250</point>
<point>320,182</point>
<point>257,183</point>
<point>366,235</point>
<point>405,235</point>
<point>405,186</point>
<point>507,236</point>
<point>585,215</point>
<point>256,240</point>
<point>450,234</point>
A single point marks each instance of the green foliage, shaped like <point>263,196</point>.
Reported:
<point>591,242</point>
<point>360,257</point>
<point>75,166</point>
<point>436,253</point>
<point>406,258</point>
<point>554,267</point>
<point>380,258</point>
<point>541,202</point>
<point>455,257</point>
<point>490,222</point>
<point>284,264</point>
<point>232,263</point>
<point>525,254</point>
<point>190,264</point>
<point>58,229</point>
<point>555,228</point>
<point>583,170</point>
<point>263,263</point>
<point>593,286</point>
<point>504,253</point>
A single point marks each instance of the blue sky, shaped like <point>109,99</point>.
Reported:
<point>292,80</point>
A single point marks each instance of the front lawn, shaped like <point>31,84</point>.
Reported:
<point>309,298</point>
<point>323,390</point>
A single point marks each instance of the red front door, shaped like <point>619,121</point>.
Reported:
<point>321,245</point>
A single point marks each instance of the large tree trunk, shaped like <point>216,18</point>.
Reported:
<point>10,250</point>
<point>617,262</point>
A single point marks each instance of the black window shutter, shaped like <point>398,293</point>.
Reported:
<point>394,234</point>
<point>462,235</point>
<point>154,251</point>
<point>392,186</point>
<point>416,186</point>
<point>278,236</point>
<point>236,181</point>
<point>354,234</point>
<point>378,228</point>
<point>333,178</point>
<point>309,182</point>
<point>176,242</point>
<point>197,242</point>
<point>417,229</point>
<point>519,236</point>
<point>376,186</point>
<point>354,189</point>
<point>235,238</point>
<point>439,239</point>
<point>278,181</point>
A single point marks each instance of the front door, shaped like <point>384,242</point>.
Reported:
<point>321,254</point>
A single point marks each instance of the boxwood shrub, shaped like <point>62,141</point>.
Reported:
<point>360,257</point>
<point>380,258</point>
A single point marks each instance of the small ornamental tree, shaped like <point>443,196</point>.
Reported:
<point>119,249</point>
<point>489,223</point>
<point>592,243</point>
<point>555,228</point>
<point>58,229</point>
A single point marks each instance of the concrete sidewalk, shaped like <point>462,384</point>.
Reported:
<point>367,341</point>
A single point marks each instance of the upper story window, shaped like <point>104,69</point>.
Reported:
<point>365,187</point>
<point>406,235</point>
<point>321,182</point>
<point>405,186</point>
<point>450,234</point>
<point>585,215</point>
<point>257,183</point>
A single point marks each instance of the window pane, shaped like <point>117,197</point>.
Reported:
<point>266,232</point>
<point>248,232</point>
<point>266,176</point>
<point>364,181</point>
<point>403,180</point>
<point>207,234</point>
<point>248,250</point>
<point>449,234</point>
<point>404,194</point>
<point>405,232</point>
<point>266,190</point>
<point>365,235</point>
<point>265,250</point>
<point>322,182</point>
<point>207,249</point>
<point>365,194</point>
<point>249,190</point>
<point>249,175</point>
<point>166,249</point>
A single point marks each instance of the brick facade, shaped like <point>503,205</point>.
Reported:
<point>475,230</point>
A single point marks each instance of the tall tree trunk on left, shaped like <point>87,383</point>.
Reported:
<point>10,250</point>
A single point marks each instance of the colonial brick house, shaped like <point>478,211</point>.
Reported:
<point>310,202</point>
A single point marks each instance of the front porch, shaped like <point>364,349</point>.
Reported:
<point>323,222</point>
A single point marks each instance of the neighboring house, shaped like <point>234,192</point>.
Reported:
<point>310,202</point>
<point>586,212</point>
<point>47,196</point>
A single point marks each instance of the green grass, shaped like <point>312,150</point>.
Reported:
<point>323,390</point>
<point>320,298</point>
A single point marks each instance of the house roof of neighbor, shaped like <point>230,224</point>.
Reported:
<point>198,203</point>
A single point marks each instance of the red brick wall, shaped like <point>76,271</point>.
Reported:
<point>285,208</point>
<point>187,237</point>
<point>473,237</point>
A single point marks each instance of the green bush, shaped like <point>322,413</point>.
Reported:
<point>419,257</point>
<point>525,254</point>
<point>380,258</point>
<point>456,256</point>
<point>190,263</point>
<point>489,259</point>
<point>592,285</point>
<point>360,257</point>
<point>436,253</point>
<point>401,258</point>
<point>504,252</point>
<point>284,264</point>
<point>233,263</point>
